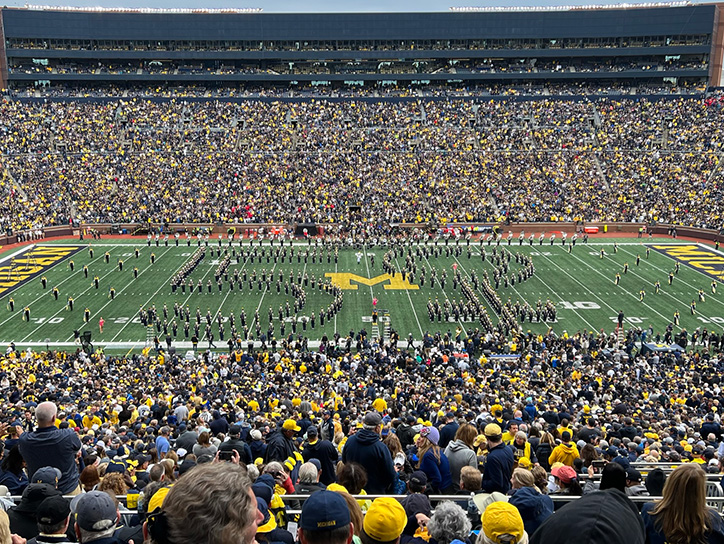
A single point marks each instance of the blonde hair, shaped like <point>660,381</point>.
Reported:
<point>113,484</point>
<point>355,512</point>
<point>427,446</point>
<point>5,537</point>
<point>682,514</point>
<point>524,477</point>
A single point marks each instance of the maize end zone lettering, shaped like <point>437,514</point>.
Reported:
<point>31,263</point>
<point>700,258</point>
<point>344,280</point>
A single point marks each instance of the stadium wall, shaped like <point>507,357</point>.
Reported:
<point>246,229</point>
<point>368,99</point>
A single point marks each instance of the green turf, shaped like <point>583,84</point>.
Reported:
<point>580,283</point>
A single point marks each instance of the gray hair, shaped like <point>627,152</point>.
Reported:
<point>307,474</point>
<point>272,467</point>
<point>45,412</point>
<point>253,471</point>
<point>88,536</point>
<point>449,522</point>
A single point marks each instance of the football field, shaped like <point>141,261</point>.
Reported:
<point>113,279</point>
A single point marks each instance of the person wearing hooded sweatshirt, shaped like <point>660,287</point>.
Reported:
<point>459,452</point>
<point>268,531</point>
<point>366,448</point>
<point>534,507</point>
<point>324,451</point>
<point>566,452</point>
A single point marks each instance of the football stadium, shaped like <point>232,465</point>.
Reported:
<point>447,274</point>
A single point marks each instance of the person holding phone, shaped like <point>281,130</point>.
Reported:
<point>235,443</point>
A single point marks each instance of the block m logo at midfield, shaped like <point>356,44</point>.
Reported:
<point>344,280</point>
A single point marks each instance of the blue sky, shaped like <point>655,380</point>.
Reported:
<point>308,6</point>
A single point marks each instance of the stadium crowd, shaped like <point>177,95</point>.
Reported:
<point>511,422</point>
<point>554,417</point>
<point>416,161</point>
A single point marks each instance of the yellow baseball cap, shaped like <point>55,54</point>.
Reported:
<point>291,425</point>
<point>492,429</point>
<point>385,519</point>
<point>501,519</point>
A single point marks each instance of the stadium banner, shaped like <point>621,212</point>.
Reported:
<point>30,263</point>
<point>699,257</point>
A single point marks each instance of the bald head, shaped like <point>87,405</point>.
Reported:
<point>45,414</point>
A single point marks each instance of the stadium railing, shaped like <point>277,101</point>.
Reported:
<point>716,503</point>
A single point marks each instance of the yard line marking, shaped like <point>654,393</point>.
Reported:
<point>253,321</point>
<point>68,278</point>
<point>246,260</point>
<point>422,333</point>
<point>524,299</point>
<point>64,306</point>
<point>149,300</point>
<point>445,294</point>
<point>595,270</point>
<point>684,303</point>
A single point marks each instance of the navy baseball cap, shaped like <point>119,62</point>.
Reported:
<point>47,475</point>
<point>324,511</point>
<point>96,511</point>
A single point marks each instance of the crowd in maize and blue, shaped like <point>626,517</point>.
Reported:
<point>215,444</point>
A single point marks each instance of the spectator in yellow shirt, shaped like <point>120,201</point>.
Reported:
<point>566,452</point>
